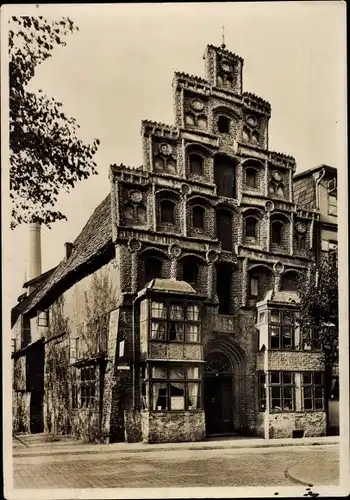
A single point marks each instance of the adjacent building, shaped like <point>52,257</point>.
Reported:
<point>172,315</point>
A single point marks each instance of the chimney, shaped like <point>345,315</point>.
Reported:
<point>69,248</point>
<point>34,264</point>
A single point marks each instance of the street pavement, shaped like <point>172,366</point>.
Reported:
<point>177,467</point>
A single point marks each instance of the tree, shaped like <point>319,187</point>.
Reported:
<point>319,307</point>
<point>45,152</point>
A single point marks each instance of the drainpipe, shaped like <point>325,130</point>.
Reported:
<point>133,354</point>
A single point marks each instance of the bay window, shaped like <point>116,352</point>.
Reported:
<point>175,321</point>
<point>281,329</point>
<point>175,387</point>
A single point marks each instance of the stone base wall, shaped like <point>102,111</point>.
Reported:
<point>132,426</point>
<point>21,411</point>
<point>282,425</point>
<point>86,425</point>
<point>168,427</point>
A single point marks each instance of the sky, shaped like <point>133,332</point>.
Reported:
<point>118,69</point>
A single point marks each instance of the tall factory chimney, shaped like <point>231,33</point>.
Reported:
<point>34,262</point>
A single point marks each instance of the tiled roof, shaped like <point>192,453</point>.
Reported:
<point>94,236</point>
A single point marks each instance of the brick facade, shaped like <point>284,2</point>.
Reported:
<point>214,158</point>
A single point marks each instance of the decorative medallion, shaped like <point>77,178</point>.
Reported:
<point>301,227</point>
<point>134,245</point>
<point>197,104</point>
<point>251,120</point>
<point>276,175</point>
<point>269,206</point>
<point>174,250</point>
<point>278,267</point>
<point>135,196</point>
<point>212,256</point>
<point>185,189</point>
<point>165,149</point>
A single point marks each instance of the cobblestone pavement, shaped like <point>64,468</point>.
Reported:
<point>190,468</point>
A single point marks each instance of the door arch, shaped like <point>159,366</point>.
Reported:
<point>218,394</point>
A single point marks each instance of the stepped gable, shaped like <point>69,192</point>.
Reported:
<point>95,235</point>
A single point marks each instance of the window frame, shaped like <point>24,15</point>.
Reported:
<point>88,388</point>
<point>281,384</point>
<point>196,156</point>
<point>168,381</point>
<point>161,212</point>
<point>202,210</point>
<point>185,322</point>
<point>313,386</point>
<point>256,234</point>
<point>310,339</point>
<point>281,324</point>
<point>281,225</point>
<point>249,170</point>
<point>227,122</point>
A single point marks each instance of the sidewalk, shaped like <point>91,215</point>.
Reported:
<point>33,446</point>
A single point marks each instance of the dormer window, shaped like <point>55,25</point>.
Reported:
<point>196,164</point>
<point>223,125</point>
<point>167,212</point>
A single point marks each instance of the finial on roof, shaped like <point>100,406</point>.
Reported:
<point>223,46</point>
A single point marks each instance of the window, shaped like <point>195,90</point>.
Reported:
<point>75,400</point>
<point>152,269</point>
<point>175,387</point>
<point>198,217</point>
<point>13,345</point>
<point>224,228</point>
<point>135,214</point>
<point>175,322</point>
<point>196,164</point>
<point>43,318</point>
<point>282,391</point>
<point>311,340</point>
<point>251,227</point>
<point>332,197</point>
<point>333,253</point>
<point>262,391</point>
<point>254,286</point>
<point>167,211</point>
<point>224,287</point>
<point>334,392</point>
<point>223,125</point>
<point>25,331</point>
<point>224,174</point>
<point>281,329</point>
<point>250,178</point>
<point>300,242</point>
<point>88,386</point>
<point>190,272</point>
<point>277,232</point>
<point>312,390</point>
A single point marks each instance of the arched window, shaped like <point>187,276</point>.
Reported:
<point>224,275</point>
<point>198,214</point>
<point>190,271</point>
<point>224,228</point>
<point>152,269</point>
<point>250,177</point>
<point>223,124</point>
<point>277,232</point>
<point>196,164</point>
<point>251,227</point>
<point>167,211</point>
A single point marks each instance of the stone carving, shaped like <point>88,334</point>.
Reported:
<point>134,245</point>
<point>212,256</point>
<point>278,267</point>
<point>269,206</point>
<point>165,158</point>
<point>174,251</point>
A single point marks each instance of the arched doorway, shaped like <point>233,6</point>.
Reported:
<point>218,394</point>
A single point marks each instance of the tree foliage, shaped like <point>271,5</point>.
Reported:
<point>45,153</point>
<point>319,306</point>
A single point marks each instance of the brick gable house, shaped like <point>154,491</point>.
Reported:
<point>167,319</point>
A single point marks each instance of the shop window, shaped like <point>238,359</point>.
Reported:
<point>198,216</point>
<point>282,391</point>
<point>196,164</point>
<point>175,322</point>
<point>167,211</point>
<point>262,391</point>
<point>224,287</point>
<point>250,178</point>
<point>312,390</point>
<point>88,386</point>
<point>281,329</point>
<point>175,387</point>
<point>277,232</point>
<point>251,225</point>
<point>223,124</point>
